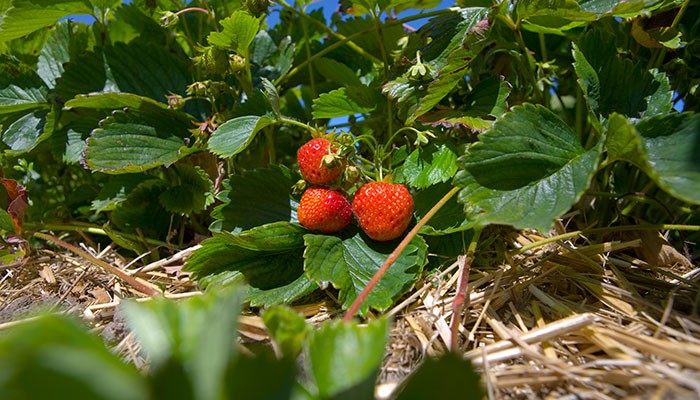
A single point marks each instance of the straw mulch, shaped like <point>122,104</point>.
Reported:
<point>602,318</point>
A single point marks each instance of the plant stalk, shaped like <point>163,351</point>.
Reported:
<point>395,255</point>
<point>460,297</point>
<point>149,290</point>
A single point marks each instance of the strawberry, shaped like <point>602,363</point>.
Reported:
<point>319,161</point>
<point>323,209</point>
<point>383,210</point>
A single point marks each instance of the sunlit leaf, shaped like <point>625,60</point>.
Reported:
<point>443,34</point>
<point>344,101</point>
<point>526,171</point>
<point>233,136</point>
<point>664,147</point>
<point>27,16</point>
<point>429,165</point>
<point>349,263</point>
<point>22,92</point>
<point>26,133</point>
<point>553,16</point>
<point>458,64</point>
<point>238,33</point>
<point>267,259</point>
<point>135,141</point>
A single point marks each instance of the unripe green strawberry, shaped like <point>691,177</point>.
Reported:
<point>323,209</point>
<point>257,7</point>
<point>319,161</point>
<point>383,210</point>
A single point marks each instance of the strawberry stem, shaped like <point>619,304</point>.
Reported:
<point>394,255</point>
<point>460,296</point>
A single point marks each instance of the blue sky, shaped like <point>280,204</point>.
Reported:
<point>329,6</point>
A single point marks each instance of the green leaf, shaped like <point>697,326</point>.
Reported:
<point>114,101</point>
<point>526,171</point>
<point>442,35</point>
<point>345,358</point>
<point>85,73</point>
<point>196,336</point>
<point>192,191</point>
<point>458,64</point>
<point>429,165</point>
<point>623,143</point>
<point>268,259</point>
<point>552,16</point>
<point>661,101</point>
<point>610,83</point>
<point>27,16</point>
<point>22,92</point>
<point>116,189</point>
<point>261,377</point>
<point>455,377</point>
<point>135,141</point>
<point>587,78</point>
<point>271,60</point>
<point>287,329</point>
<point>234,135</point>
<point>57,51</point>
<point>450,218</point>
<point>160,73</point>
<point>337,72</point>
<point>487,99</point>
<point>351,262</point>
<point>343,101</point>
<point>71,362</point>
<point>26,133</point>
<point>239,31</point>
<point>7,224</point>
<point>664,147</point>
<point>142,210</point>
<point>620,8</point>
<point>255,198</point>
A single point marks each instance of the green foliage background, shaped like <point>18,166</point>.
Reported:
<point>167,120</point>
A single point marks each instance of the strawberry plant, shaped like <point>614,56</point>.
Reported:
<point>162,125</point>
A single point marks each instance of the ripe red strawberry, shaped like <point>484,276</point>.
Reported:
<point>319,161</point>
<point>323,209</point>
<point>383,210</point>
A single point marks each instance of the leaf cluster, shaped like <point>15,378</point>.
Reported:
<point>191,346</point>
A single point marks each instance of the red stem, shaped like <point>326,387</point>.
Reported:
<point>184,10</point>
<point>394,255</point>
<point>461,295</point>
